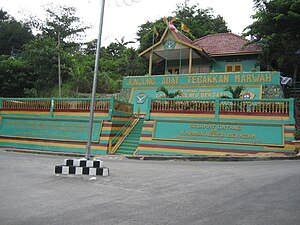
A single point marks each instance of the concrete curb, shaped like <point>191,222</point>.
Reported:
<point>214,158</point>
<point>233,158</point>
<point>33,151</point>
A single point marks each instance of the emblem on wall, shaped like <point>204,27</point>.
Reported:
<point>141,98</point>
<point>247,95</point>
<point>169,44</point>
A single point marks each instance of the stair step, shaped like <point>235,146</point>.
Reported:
<point>127,148</point>
<point>131,142</point>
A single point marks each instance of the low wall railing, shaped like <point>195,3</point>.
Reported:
<point>58,104</point>
<point>255,106</point>
<point>183,105</point>
<point>53,105</point>
<point>224,106</point>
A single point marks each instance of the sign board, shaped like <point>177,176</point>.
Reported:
<point>237,133</point>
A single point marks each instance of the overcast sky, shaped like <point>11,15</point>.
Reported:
<point>122,17</point>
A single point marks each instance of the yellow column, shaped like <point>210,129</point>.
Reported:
<point>191,61</point>
<point>150,64</point>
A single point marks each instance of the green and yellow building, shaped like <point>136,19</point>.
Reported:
<point>204,120</point>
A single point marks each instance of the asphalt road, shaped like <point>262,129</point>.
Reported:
<point>141,192</point>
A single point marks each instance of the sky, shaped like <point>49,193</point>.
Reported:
<point>123,17</point>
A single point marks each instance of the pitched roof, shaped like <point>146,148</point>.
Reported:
<point>182,37</point>
<point>226,44</point>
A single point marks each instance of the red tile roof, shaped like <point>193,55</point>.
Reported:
<point>226,43</point>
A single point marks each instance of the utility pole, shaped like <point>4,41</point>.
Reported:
<point>88,145</point>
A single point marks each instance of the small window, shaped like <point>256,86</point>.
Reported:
<point>234,68</point>
<point>229,68</point>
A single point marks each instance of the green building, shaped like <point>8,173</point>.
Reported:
<point>206,119</point>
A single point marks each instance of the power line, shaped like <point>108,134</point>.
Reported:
<point>126,2</point>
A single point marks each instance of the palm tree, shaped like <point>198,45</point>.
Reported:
<point>236,92</point>
<point>79,72</point>
<point>169,94</point>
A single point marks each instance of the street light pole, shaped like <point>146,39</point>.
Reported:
<point>88,145</point>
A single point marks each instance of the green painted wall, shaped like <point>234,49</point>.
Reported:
<point>248,63</point>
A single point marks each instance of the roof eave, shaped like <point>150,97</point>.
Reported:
<point>234,54</point>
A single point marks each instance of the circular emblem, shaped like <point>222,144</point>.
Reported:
<point>169,44</point>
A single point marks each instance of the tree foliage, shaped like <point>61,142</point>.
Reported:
<point>59,36</point>
<point>277,29</point>
<point>168,94</point>
<point>13,34</point>
<point>235,92</point>
<point>15,77</point>
<point>201,22</point>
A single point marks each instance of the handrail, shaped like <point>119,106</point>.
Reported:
<point>122,134</point>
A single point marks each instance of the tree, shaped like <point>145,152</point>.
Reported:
<point>169,94</point>
<point>13,34</point>
<point>235,92</point>
<point>41,56</point>
<point>277,27</point>
<point>15,77</point>
<point>80,72</point>
<point>64,26</point>
<point>200,21</point>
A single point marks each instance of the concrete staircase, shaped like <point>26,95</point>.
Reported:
<point>131,142</point>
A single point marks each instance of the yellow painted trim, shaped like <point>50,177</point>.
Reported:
<point>52,139</point>
<point>49,144</point>
<point>286,147</point>
<point>145,138</point>
<point>150,63</point>
<point>227,122</point>
<point>260,92</point>
<point>190,61</point>
<point>184,115</point>
<point>147,129</point>
<point>182,151</point>
<point>48,118</point>
<point>289,126</point>
<point>118,119</point>
<point>185,86</point>
<point>112,128</point>
<point>281,118</point>
<point>156,44</point>
<point>289,135</point>
<point>131,93</point>
<point>25,112</point>
<point>79,114</point>
<point>177,40</point>
<point>215,142</point>
<point>105,138</point>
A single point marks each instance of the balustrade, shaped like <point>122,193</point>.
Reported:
<point>228,106</point>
